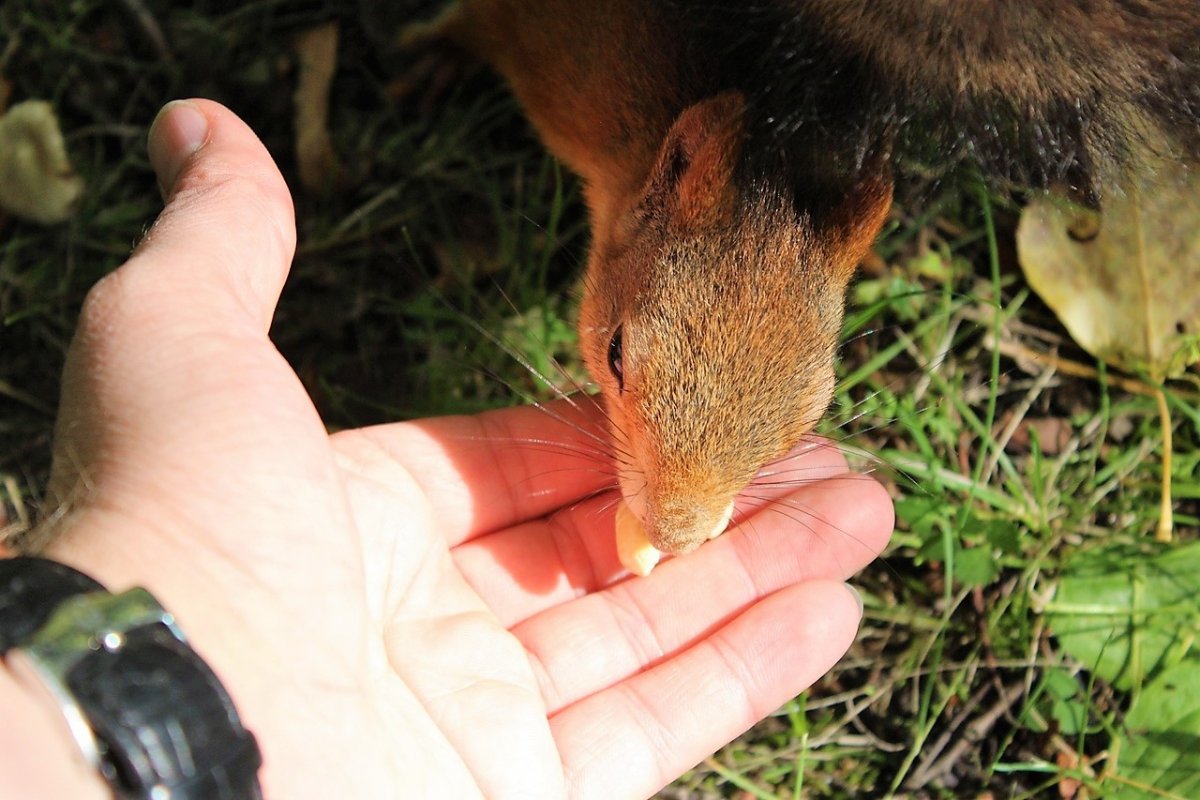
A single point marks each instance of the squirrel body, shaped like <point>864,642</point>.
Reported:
<point>737,164</point>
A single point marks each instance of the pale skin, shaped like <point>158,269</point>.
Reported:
<point>423,609</point>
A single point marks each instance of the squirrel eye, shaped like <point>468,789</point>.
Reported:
<point>614,358</point>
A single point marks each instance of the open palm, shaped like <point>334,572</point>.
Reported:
<point>425,609</point>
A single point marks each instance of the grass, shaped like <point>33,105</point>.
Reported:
<point>1003,471</point>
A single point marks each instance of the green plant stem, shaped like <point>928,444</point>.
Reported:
<point>1165,528</point>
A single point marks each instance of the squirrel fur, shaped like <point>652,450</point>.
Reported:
<point>737,160</point>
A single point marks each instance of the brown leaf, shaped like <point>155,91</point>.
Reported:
<point>36,178</point>
<point>1053,434</point>
<point>316,53</point>
<point>1126,284</point>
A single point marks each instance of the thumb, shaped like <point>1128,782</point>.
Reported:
<point>216,258</point>
<point>228,225</point>
<point>171,351</point>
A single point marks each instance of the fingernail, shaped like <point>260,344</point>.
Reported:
<point>857,597</point>
<point>179,130</point>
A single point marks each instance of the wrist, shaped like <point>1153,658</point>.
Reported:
<point>38,757</point>
<point>145,712</point>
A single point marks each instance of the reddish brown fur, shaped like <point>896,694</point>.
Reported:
<point>570,64</point>
<point>729,335</point>
<point>724,234</point>
<point>709,141</point>
<point>730,299</point>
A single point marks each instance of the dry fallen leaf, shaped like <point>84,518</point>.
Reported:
<point>316,53</point>
<point>36,178</point>
<point>1126,284</point>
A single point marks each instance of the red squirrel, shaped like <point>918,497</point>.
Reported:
<point>737,159</point>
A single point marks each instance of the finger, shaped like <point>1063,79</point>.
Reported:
<point>188,313</point>
<point>493,470</point>
<point>228,230</point>
<point>210,270</point>
<point>220,250</point>
<point>642,733</point>
<point>171,354</point>
<point>582,647</point>
<point>526,569</point>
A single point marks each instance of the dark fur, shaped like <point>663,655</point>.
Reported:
<point>737,162</point>
<point>1031,91</point>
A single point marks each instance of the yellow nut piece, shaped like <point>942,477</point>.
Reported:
<point>722,522</point>
<point>633,548</point>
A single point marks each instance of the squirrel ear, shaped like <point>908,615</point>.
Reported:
<point>692,178</point>
<point>851,223</point>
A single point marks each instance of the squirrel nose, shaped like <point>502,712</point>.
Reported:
<point>679,526</point>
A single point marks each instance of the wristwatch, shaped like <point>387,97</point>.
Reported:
<point>144,708</point>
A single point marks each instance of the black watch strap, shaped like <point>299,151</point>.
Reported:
<point>144,707</point>
<point>30,590</point>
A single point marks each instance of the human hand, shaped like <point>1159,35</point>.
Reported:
<point>423,609</point>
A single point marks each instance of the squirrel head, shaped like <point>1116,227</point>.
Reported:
<point>710,319</point>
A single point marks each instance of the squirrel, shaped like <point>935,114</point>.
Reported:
<point>737,165</point>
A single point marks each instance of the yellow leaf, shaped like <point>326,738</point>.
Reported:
<point>1126,284</point>
<point>36,178</point>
